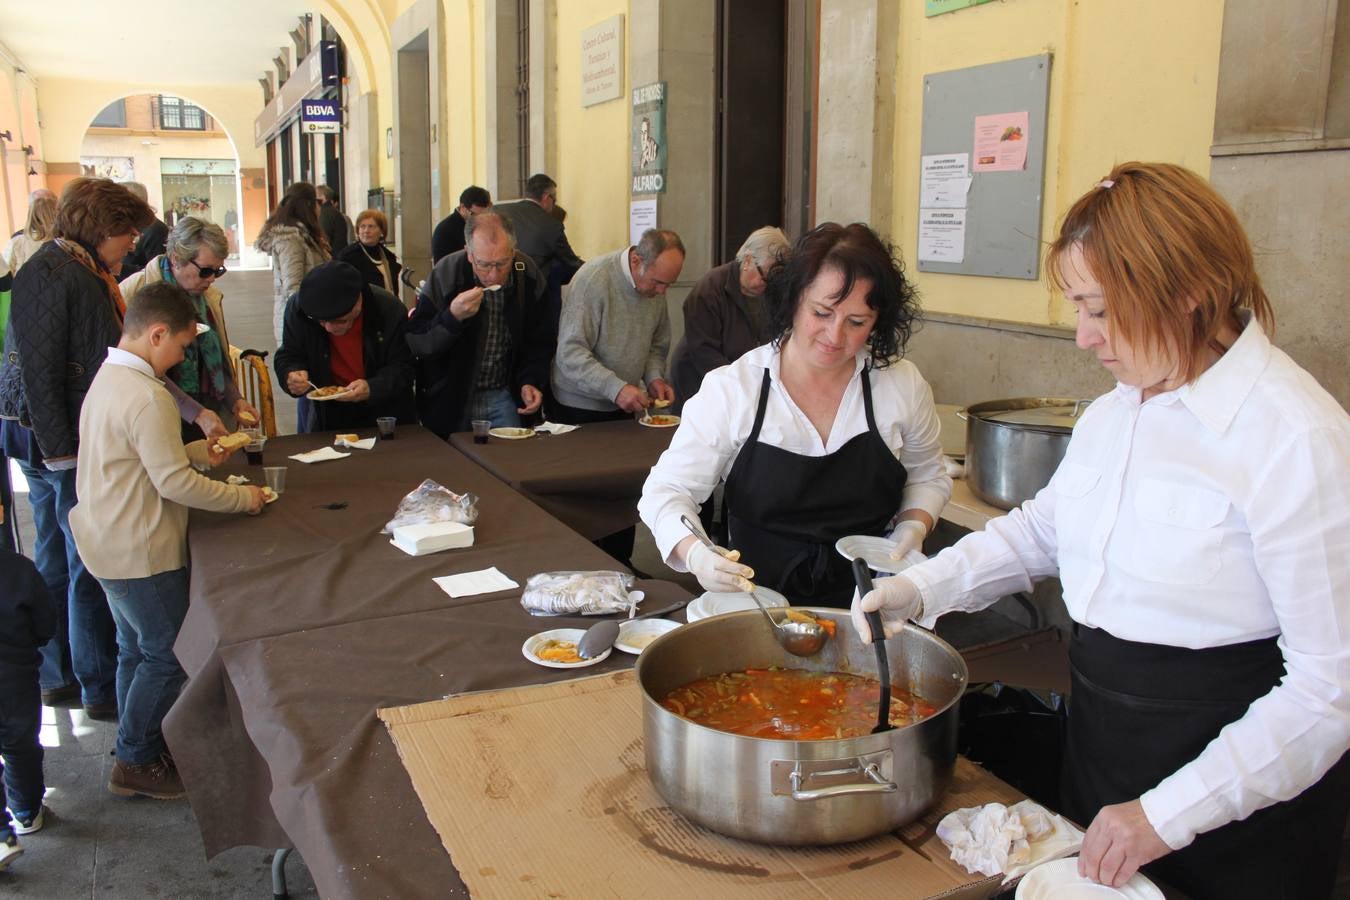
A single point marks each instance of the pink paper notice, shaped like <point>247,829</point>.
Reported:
<point>1000,143</point>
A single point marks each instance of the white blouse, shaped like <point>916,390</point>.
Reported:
<point>1211,515</point>
<point>717,421</point>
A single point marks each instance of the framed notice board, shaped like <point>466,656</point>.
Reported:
<point>1002,215</point>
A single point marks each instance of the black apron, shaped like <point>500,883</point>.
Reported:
<point>1138,712</point>
<point>785,511</point>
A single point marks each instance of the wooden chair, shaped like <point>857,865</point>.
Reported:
<point>255,383</point>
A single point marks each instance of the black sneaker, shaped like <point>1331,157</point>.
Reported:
<point>158,780</point>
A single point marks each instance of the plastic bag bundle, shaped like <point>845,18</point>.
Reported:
<point>430,503</point>
<point>577,593</point>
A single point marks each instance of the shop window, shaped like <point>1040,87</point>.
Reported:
<point>114,115</point>
<point>176,114</point>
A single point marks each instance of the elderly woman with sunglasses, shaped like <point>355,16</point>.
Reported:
<point>193,258</point>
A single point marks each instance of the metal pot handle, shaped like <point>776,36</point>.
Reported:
<point>963,414</point>
<point>876,784</point>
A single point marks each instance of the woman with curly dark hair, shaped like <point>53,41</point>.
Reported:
<point>823,432</point>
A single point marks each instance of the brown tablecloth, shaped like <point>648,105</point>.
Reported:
<point>365,626</point>
<point>590,478</point>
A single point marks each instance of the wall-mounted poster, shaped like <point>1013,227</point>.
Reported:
<point>116,168</point>
<point>649,138</point>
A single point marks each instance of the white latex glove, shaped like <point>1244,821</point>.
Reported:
<point>908,536</point>
<point>719,571</point>
<point>898,600</point>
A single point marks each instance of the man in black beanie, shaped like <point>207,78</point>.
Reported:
<point>340,332</point>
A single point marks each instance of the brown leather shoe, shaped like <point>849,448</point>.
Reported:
<point>104,712</point>
<point>158,780</point>
<point>63,694</point>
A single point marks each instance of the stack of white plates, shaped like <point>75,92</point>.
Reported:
<point>715,603</point>
<point>876,552</point>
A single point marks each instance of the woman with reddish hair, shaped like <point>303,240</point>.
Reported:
<point>1200,524</point>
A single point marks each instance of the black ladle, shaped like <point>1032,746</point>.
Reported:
<point>864,580</point>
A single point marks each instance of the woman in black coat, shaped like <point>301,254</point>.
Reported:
<point>377,263</point>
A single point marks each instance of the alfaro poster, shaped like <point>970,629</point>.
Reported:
<point>649,138</point>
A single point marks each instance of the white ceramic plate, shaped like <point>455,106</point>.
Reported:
<point>559,634</point>
<point>636,634</point>
<point>876,552</point>
<point>714,603</point>
<point>671,421</point>
<point>511,434</point>
<point>311,396</point>
<point>1059,880</point>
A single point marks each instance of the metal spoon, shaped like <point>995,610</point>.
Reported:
<point>797,638</point>
<point>864,580</point>
<point>598,638</point>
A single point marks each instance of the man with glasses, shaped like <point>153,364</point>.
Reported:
<point>726,315</point>
<point>481,332</point>
<point>340,331</point>
<point>539,233</point>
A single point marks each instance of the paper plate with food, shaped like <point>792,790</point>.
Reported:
<point>557,649</point>
<point>511,434</point>
<point>331,392</point>
<point>659,421</point>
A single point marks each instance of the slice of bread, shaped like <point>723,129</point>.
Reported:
<point>233,441</point>
<point>247,417</point>
<point>347,438</point>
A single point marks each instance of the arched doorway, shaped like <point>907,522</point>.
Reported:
<point>184,156</point>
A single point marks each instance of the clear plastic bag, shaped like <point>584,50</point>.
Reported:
<point>577,593</point>
<point>431,502</point>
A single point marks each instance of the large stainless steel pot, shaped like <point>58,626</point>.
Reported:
<point>1014,446</point>
<point>798,792</point>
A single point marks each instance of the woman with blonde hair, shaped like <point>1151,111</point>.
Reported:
<point>38,230</point>
<point>293,238</point>
<point>377,263</point>
<point>1200,524</point>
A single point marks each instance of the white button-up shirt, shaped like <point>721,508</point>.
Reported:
<point>1214,514</point>
<point>717,420</point>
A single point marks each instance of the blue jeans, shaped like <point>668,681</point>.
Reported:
<point>496,405</point>
<point>20,719</point>
<point>85,640</point>
<point>149,612</point>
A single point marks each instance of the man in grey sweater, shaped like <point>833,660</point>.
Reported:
<point>615,332</point>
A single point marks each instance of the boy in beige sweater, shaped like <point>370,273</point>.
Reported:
<point>135,481</point>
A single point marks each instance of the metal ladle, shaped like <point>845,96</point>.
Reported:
<point>797,638</point>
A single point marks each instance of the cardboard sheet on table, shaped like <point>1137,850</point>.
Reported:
<point>524,785</point>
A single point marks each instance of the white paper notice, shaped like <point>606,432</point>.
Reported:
<point>942,235</point>
<point>641,216</point>
<point>945,181</point>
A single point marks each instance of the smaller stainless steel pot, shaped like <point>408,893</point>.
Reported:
<point>1014,446</point>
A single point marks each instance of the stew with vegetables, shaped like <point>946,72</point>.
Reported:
<point>792,704</point>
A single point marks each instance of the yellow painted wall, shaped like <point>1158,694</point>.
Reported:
<point>68,106</point>
<point>1130,79</point>
<point>592,142</point>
